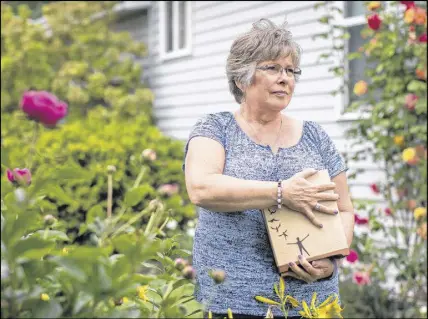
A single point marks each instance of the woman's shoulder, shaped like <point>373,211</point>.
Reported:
<point>219,119</point>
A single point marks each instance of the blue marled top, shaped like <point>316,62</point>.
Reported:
<point>237,242</point>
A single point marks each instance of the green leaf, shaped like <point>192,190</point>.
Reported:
<point>82,299</point>
<point>95,211</point>
<point>58,193</point>
<point>69,173</point>
<point>135,195</point>
<point>32,247</point>
<point>71,267</point>
<point>415,86</point>
<point>52,235</point>
<point>5,158</point>
<point>47,309</point>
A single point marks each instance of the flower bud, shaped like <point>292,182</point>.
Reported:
<point>111,169</point>
<point>49,220</point>
<point>169,189</point>
<point>188,272</point>
<point>45,297</point>
<point>156,204</point>
<point>180,263</point>
<point>148,154</point>
<point>23,176</point>
<point>218,276</point>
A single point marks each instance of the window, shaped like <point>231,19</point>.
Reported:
<point>35,7</point>
<point>174,29</point>
<point>354,19</point>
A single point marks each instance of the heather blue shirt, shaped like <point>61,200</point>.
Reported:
<point>237,242</point>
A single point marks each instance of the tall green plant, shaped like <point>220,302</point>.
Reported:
<point>392,102</point>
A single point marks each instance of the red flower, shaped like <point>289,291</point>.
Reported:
<point>388,211</point>
<point>352,257</point>
<point>410,101</point>
<point>43,107</point>
<point>360,221</point>
<point>375,188</point>
<point>23,176</point>
<point>361,278</point>
<point>423,38</point>
<point>408,4</point>
<point>374,22</point>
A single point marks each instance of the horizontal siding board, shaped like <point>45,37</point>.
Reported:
<point>210,87</point>
<point>295,13</point>
<point>213,73</point>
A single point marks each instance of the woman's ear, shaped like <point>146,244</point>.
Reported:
<point>239,85</point>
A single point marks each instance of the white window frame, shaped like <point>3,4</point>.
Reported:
<point>342,98</point>
<point>176,52</point>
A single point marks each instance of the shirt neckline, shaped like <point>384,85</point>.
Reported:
<point>268,146</point>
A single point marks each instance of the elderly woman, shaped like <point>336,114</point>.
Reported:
<point>239,163</point>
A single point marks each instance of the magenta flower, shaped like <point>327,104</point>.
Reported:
<point>23,175</point>
<point>408,4</point>
<point>375,188</point>
<point>388,211</point>
<point>43,107</point>
<point>360,221</point>
<point>423,38</point>
<point>361,278</point>
<point>352,257</point>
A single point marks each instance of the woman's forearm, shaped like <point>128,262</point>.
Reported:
<point>348,225</point>
<point>222,193</point>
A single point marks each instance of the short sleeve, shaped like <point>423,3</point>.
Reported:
<point>208,126</point>
<point>332,159</point>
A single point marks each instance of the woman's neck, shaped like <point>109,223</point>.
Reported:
<point>259,117</point>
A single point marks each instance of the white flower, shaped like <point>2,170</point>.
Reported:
<point>172,224</point>
<point>191,232</point>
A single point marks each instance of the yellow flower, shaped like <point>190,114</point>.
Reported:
<point>266,300</point>
<point>409,155</point>
<point>360,88</point>
<point>141,292</point>
<point>409,16</point>
<point>373,5</point>
<point>399,140</point>
<point>65,251</point>
<point>125,300</point>
<point>45,297</point>
<point>420,212</point>
<point>292,300</point>
<point>328,309</point>
<point>210,315</point>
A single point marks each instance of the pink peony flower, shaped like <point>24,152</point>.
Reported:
<point>410,101</point>
<point>374,22</point>
<point>360,221</point>
<point>408,4</point>
<point>23,176</point>
<point>169,189</point>
<point>361,278</point>
<point>43,107</point>
<point>352,257</point>
<point>423,38</point>
<point>375,188</point>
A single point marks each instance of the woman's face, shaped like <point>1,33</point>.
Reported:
<point>270,90</point>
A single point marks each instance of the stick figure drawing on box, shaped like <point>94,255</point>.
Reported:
<point>272,210</point>
<point>284,233</point>
<point>299,243</point>
<point>277,228</point>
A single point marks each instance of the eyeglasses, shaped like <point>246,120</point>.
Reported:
<point>276,69</point>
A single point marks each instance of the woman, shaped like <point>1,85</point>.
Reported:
<point>238,163</point>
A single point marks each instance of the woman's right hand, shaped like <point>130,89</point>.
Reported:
<point>301,195</point>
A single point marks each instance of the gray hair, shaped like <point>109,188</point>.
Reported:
<point>265,41</point>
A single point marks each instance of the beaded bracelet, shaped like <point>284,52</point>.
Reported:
<point>279,195</point>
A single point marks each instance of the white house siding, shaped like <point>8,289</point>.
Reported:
<point>188,87</point>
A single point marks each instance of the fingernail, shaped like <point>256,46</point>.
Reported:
<point>290,264</point>
<point>336,212</point>
<point>321,226</point>
<point>300,256</point>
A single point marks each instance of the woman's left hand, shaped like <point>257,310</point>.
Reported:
<point>319,269</point>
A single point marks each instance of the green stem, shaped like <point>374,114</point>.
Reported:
<point>33,146</point>
<point>109,195</point>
